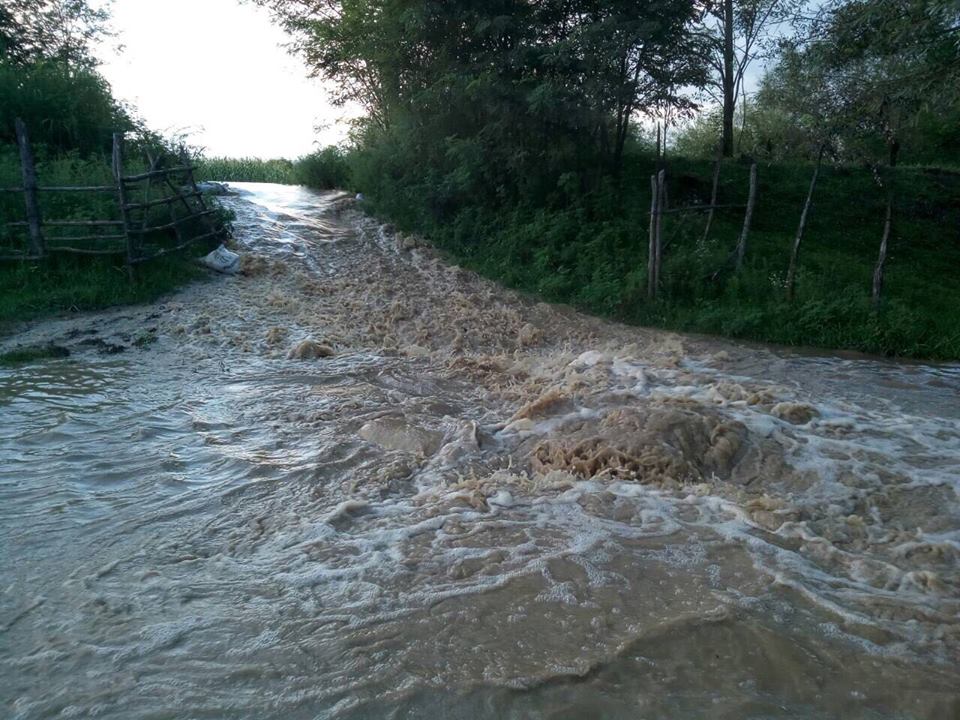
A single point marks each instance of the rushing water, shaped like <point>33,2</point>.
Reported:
<point>357,482</point>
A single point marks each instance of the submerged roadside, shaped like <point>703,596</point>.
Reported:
<point>360,481</point>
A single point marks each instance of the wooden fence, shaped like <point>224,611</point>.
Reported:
<point>137,220</point>
<point>659,207</point>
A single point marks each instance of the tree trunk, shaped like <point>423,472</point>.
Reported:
<point>747,218</point>
<point>882,258</point>
<point>795,252</point>
<point>623,130</point>
<point>893,145</point>
<point>743,118</point>
<point>729,101</point>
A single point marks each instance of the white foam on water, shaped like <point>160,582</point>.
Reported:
<point>209,523</point>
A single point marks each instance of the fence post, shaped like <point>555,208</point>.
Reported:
<point>662,202</point>
<point>748,217</point>
<point>122,199</point>
<point>882,258</point>
<point>652,245</point>
<point>29,171</point>
<point>714,190</point>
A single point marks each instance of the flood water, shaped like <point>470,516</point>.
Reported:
<point>359,482</point>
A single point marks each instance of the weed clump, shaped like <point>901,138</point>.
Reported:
<point>33,353</point>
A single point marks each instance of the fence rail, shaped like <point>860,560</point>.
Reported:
<point>183,198</point>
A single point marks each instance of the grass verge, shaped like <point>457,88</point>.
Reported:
<point>590,250</point>
<point>68,284</point>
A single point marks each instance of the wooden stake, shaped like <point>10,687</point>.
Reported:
<point>122,197</point>
<point>882,258</point>
<point>713,195</point>
<point>795,251</point>
<point>29,172</point>
<point>652,246</point>
<point>748,217</point>
<point>661,202</point>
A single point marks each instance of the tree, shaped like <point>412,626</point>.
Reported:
<point>524,80</point>
<point>48,75</point>
<point>883,63</point>
<point>59,30</point>
<point>887,62</point>
<point>735,33</point>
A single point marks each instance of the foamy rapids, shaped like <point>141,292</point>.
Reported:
<point>357,481</point>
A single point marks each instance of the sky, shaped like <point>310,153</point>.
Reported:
<point>217,70</point>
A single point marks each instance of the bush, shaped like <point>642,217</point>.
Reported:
<point>65,108</point>
<point>325,170</point>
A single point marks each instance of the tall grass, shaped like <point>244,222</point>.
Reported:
<point>225,169</point>
<point>325,169</point>
<point>71,284</point>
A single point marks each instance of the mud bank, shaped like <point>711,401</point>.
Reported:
<point>355,481</point>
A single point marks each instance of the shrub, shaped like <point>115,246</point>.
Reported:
<point>325,169</point>
<point>65,108</point>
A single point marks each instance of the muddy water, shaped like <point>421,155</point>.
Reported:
<point>359,482</point>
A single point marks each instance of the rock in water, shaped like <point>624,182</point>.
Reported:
<point>392,433</point>
<point>310,350</point>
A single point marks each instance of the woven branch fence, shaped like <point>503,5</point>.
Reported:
<point>173,188</point>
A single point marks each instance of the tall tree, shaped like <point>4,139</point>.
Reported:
<point>60,30</point>
<point>736,33</point>
<point>576,70</point>
<point>886,62</point>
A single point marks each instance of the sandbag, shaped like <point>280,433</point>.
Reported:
<point>223,261</point>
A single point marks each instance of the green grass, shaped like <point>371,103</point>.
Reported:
<point>67,283</point>
<point>70,284</point>
<point>590,251</point>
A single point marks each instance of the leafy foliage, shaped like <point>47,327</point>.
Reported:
<point>532,88</point>
<point>325,169</point>
<point>64,107</point>
<point>64,31</point>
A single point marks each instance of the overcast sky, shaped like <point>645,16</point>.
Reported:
<point>217,69</point>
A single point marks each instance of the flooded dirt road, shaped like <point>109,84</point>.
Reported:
<point>359,482</point>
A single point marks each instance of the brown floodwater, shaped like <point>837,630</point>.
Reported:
<point>359,482</point>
